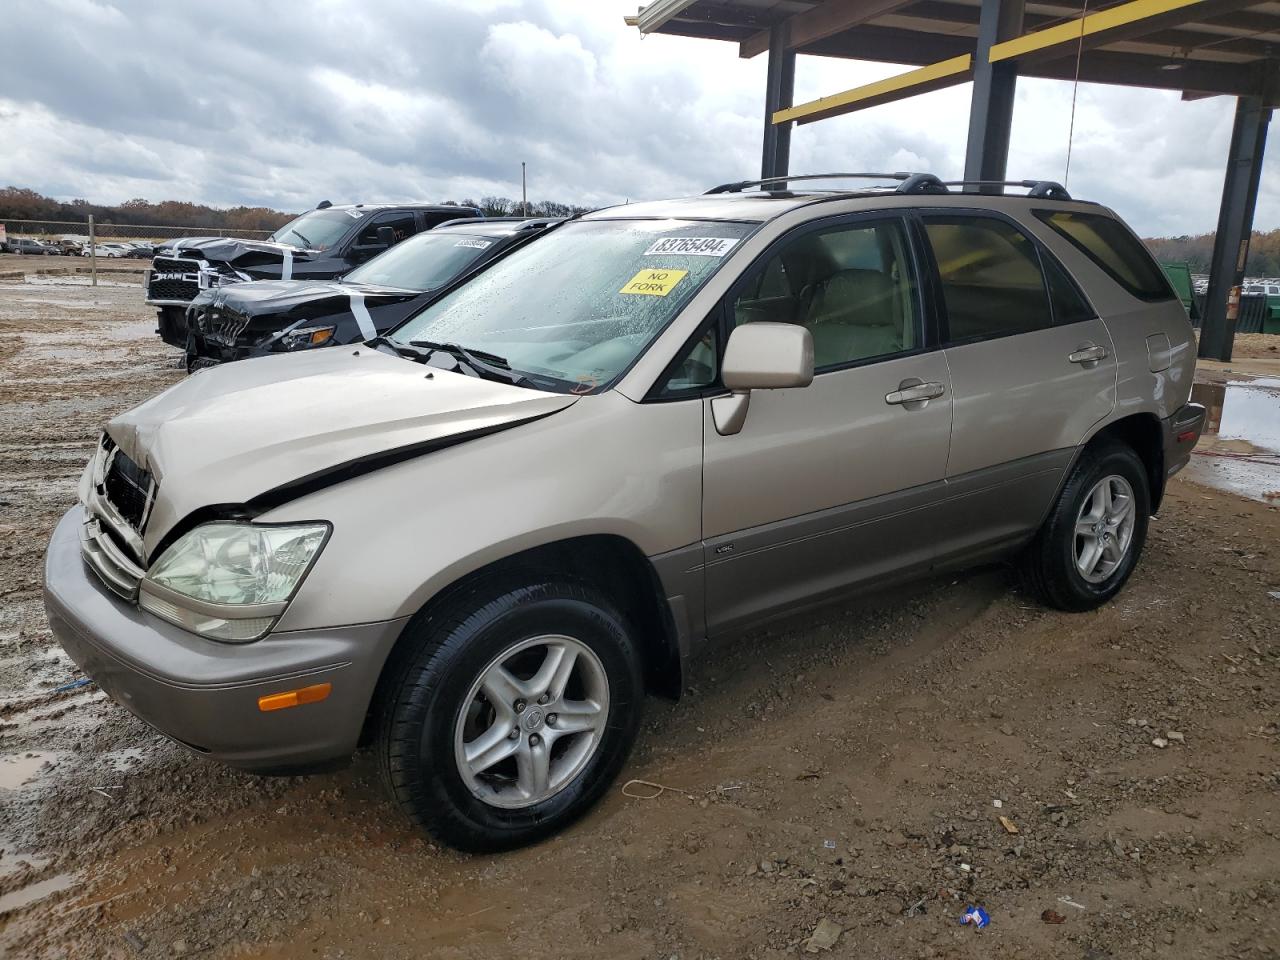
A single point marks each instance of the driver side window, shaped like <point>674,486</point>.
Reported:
<point>852,287</point>
<point>401,225</point>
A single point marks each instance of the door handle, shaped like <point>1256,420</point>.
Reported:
<point>914,391</point>
<point>1090,353</point>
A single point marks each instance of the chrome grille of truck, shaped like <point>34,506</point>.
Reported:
<point>173,279</point>
<point>117,496</point>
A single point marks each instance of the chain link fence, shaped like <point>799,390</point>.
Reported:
<point>105,232</point>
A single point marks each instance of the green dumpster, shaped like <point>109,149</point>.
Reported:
<point>1179,275</point>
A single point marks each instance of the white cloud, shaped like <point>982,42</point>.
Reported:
<point>285,104</point>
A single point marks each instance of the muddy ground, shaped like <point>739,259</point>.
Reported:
<point>850,768</point>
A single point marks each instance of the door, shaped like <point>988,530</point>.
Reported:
<point>832,484</point>
<point>1032,368</point>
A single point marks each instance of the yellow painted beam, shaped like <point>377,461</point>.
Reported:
<point>1104,21</point>
<point>935,76</point>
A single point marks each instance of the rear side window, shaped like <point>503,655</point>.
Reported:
<point>992,285</point>
<point>1069,304</point>
<point>1113,247</point>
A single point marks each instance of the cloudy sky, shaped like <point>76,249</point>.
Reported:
<point>285,103</point>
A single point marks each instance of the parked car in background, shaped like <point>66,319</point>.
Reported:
<point>69,247</point>
<point>280,316</point>
<point>477,541</point>
<point>108,250</point>
<point>322,244</point>
<point>142,249</point>
<point>30,246</point>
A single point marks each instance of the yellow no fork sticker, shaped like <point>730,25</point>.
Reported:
<point>654,283</point>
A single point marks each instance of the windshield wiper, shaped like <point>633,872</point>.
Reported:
<point>486,364</point>
<point>300,236</point>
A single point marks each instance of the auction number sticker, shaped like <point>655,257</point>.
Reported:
<point>475,242</point>
<point>654,283</point>
<point>692,246</point>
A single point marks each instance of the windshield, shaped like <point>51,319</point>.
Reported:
<point>424,262</point>
<point>581,303</point>
<point>318,229</point>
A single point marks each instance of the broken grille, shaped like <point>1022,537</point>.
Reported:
<point>221,326</point>
<point>117,499</point>
<point>129,489</point>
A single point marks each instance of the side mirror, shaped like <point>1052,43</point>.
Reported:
<point>386,236</point>
<point>760,356</point>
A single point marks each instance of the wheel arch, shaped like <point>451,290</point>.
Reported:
<point>611,563</point>
<point>1143,433</point>
<point>1140,431</point>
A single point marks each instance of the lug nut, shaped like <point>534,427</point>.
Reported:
<point>519,705</point>
<point>553,718</point>
<point>545,698</point>
<point>515,734</point>
<point>534,740</point>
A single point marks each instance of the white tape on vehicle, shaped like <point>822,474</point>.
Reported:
<point>365,322</point>
<point>286,271</point>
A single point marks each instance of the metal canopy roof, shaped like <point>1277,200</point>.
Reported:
<point>1200,47</point>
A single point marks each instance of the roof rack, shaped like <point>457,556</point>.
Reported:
<point>1036,189</point>
<point>741,185</point>
<point>910,183</point>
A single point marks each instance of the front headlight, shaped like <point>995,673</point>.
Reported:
<point>302,338</point>
<point>231,581</point>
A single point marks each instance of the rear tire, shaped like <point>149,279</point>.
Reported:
<point>1093,536</point>
<point>488,738</point>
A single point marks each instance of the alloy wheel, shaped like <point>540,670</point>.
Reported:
<point>531,721</point>
<point>1104,528</point>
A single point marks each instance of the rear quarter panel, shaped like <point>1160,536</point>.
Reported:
<point>1153,376</point>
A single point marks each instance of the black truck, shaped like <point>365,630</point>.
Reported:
<point>321,244</point>
<point>255,319</point>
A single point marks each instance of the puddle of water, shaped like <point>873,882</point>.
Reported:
<point>34,892</point>
<point>1240,449</point>
<point>18,770</point>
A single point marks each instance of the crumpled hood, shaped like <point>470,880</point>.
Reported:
<point>233,433</point>
<point>261,297</point>
<point>262,258</point>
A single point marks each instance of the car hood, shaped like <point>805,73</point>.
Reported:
<point>274,428</point>
<point>261,297</point>
<point>241,254</point>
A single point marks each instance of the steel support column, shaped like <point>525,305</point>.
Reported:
<point>991,110</point>
<point>779,89</point>
<point>1235,223</point>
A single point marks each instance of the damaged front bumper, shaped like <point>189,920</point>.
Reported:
<point>203,693</point>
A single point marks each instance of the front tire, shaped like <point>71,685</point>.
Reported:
<point>1093,537</point>
<point>509,712</point>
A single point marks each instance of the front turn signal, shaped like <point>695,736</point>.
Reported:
<point>294,698</point>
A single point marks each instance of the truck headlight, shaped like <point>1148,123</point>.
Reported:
<point>231,581</point>
<point>301,338</point>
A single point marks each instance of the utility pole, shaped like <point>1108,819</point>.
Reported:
<point>524,191</point>
<point>93,255</point>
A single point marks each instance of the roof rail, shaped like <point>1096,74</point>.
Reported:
<point>1037,189</point>
<point>741,185</point>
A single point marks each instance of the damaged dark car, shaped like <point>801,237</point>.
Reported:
<point>256,319</point>
<point>322,244</point>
